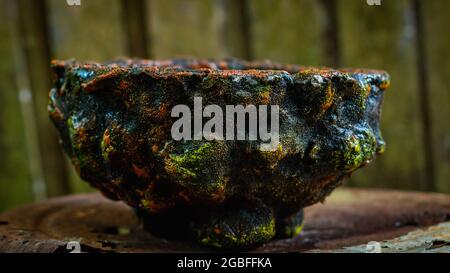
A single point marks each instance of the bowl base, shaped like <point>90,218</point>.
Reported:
<point>228,227</point>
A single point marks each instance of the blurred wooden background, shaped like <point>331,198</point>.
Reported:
<point>408,38</point>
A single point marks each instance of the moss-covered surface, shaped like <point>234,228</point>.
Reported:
<point>114,121</point>
<point>238,228</point>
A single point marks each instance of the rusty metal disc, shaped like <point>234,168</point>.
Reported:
<point>348,217</point>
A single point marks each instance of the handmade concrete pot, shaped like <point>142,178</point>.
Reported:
<point>115,123</point>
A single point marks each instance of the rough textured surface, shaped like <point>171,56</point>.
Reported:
<point>114,122</point>
<point>349,217</point>
<point>435,239</point>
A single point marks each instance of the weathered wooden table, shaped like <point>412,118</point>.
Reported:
<point>349,219</point>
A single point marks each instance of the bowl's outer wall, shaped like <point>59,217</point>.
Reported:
<point>115,120</point>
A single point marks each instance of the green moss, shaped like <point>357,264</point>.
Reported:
<point>195,159</point>
<point>292,231</point>
<point>188,165</point>
<point>198,168</point>
<point>359,148</point>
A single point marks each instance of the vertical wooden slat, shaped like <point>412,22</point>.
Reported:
<point>237,36</point>
<point>290,31</point>
<point>23,91</point>
<point>331,33</point>
<point>15,177</point>
<point>424,97</point>
<point>34,41</point>
<point>135,20</point>
<point>189,28</point>
<point>93,31</point>
<point>436,50</point>
<point>383,37</point>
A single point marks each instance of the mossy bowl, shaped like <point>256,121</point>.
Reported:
<point>115,122</point>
